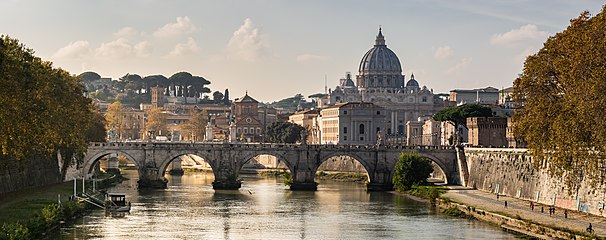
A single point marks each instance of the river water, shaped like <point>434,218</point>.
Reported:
<point>264,208</point>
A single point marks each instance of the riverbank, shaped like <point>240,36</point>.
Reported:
<point>517,215</point>
<point>37,212</point>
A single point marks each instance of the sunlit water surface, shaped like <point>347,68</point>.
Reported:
<point>264,208</point>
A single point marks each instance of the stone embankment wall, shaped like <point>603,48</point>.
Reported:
<point>510,172</point>
<point>18,175</point>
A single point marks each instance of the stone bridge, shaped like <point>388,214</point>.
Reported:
<point>226,160</point>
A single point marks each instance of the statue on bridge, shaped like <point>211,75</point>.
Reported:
<point>304,137</point>
<point>379,138</point>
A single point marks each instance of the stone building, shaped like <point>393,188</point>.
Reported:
<point>484,96</point>
<point>246,113</point>
<point>380,81</point>
<point>487,131</point>
<point>351,123</point>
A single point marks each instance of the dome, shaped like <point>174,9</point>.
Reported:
<point>380,59</point>
<point>412,82</point>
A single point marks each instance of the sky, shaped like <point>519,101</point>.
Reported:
<point>278,48</point>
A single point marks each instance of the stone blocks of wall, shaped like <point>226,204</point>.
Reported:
<point>510,172</point>
<point>18,175</point>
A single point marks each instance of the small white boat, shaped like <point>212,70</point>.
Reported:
<point>116,202</point>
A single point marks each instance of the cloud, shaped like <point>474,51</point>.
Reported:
<point>443,53</point>
<point>182,26</point>
<point>527,34</point>
<point>122,49</point>
<point>125,32</point>
<point>143,49</point>
<point>306,58</point>
<point>248,43</point>
<point>460,65</point>
<point>185,48</point>
<point>77,49</point>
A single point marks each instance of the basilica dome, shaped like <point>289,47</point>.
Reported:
<point>380,68</point>
<point>380,59</point>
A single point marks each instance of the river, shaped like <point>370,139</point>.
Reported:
<point>264,208</point>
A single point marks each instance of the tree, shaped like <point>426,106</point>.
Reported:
<point>156,122</point>
<point>411,169</point>
<point>561,90</point>
<point>97,132</point>
<point>115,118</point>
<point>44,111</point>
<point>217,96</point>
<point>196,125</point>
<point>284,132</point>
<point>457,116</point>
<point>89,76</point>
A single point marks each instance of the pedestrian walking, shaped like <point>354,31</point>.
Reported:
<point>549,211</point>
<point>565,213</point>
<point>590,229</point>
<point>531,206</point>
<point>542,209</point>
<point>497,196</point>
<point>505,203</point>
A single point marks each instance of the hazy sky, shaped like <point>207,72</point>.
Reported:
<point>275,49</point>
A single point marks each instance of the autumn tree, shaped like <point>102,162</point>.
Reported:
<point>156,122</point>
<point>43,110</point>
<point>196,125</point>
<point>114,118</point>
<point>562,92</point>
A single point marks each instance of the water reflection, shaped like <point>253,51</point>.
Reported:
<point>264,208</point>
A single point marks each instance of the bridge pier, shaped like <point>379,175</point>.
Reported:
<point>304,186</point>
<point>148,178</point>
<point>379,187</point>
<point>227,184</point>
<point>176,169</point>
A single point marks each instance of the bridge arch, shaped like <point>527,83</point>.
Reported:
<point>440,163</point>
<point>279,157</point>
<point>164,165</point>
<point>367,167</point>
<point>90,162</point>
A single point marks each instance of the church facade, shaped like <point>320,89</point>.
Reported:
<point>381,82</point>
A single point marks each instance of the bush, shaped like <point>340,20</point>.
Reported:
<point>411,169</point>
<point>455,212</point>
<point>52,214</point>
<point>14,231</point>
<point>287,179</point>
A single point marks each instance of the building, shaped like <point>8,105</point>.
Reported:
<point>512,140</point>
<point>484,96</point>
<point>351,123</point>
<point>432,133</point>
<point>246,113</point>
<point>487,131</point>
<point>380,81</point>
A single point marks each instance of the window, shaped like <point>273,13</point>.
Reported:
<point>424,99</point>
<point>378,112</point>
<point>344,138</point>
<point>239,130</point>
<point>245,130</point>
<point>258,130</point>
<point>361,128</point>
<point>361,138</point>
<point>345,112</point>
<point>344,129</point>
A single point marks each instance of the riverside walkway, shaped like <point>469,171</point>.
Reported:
<point>577,221</point>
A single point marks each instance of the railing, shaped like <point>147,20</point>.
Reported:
<point>164,144</point>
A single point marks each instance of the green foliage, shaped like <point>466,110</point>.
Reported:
<point>52,214</point>
<point>89,76</point>
<point>14,231</point>
<point>457,116</point>
<point>288,180</point>
<point>43,108</point>
<point>217,96</point>
<point>284,132</point>
<point>562,92</point>
<point>455,212</point>
<point>411,169</point>
<point>293,103</point>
